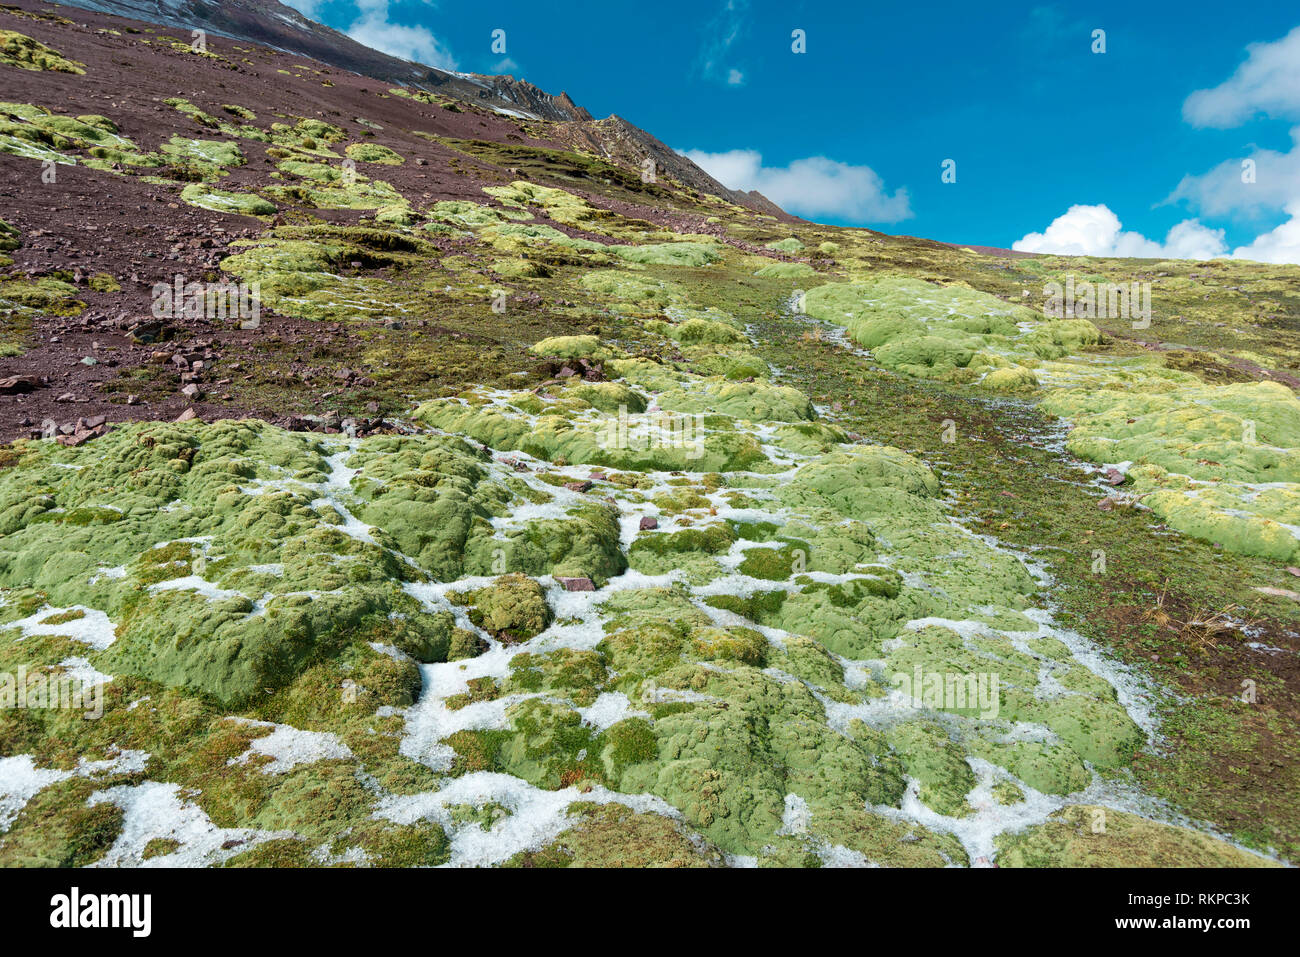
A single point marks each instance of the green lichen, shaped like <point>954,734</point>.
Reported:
<point>374,153</point>
<point>513,608</point>
<point>20,50</point>
<point>223,201</point>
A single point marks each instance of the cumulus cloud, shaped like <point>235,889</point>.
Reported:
<point>1268,82</point>
<point>1221,191</point>
<point>374,29</point>
<point>815,186</point>
<point>1097,231</point>
<point>1281,245</point>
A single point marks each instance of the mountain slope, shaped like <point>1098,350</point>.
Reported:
<point>283,28</point>
<point>543,515</point>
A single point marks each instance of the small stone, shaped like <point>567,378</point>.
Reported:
<point>649,523</point>
<point>187,415</point>
<point>577,584</point>
<point>577,486</point>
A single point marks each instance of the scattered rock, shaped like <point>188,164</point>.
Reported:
<point>576,584</point>
<point>149,331</point>
<point>1279,592</point>
<point>17,384</point>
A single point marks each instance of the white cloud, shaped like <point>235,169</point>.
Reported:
<point>374,29</point>
<point>1268,82</point>
<point>308,8</point>
<point>1096,231</point>
<point>815,186</point>
<point>1220,191</point>
<point>1281,245</point>
<point>722,32</point>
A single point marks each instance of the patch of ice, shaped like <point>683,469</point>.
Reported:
<point>154,810</point>
<point>92,628</point>
<point>289,747</point>
<point>537,816</point>
<point>609,709</point>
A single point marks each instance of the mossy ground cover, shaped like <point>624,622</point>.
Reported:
<point>648,580</point>
<point>21,51</point>
<point>1218,461</point>
<point>323,570</point>
<point>1186,611</point>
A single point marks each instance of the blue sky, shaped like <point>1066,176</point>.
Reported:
<point>1055,146</point>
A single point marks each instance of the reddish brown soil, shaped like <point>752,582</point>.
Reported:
<point>142,234</point>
